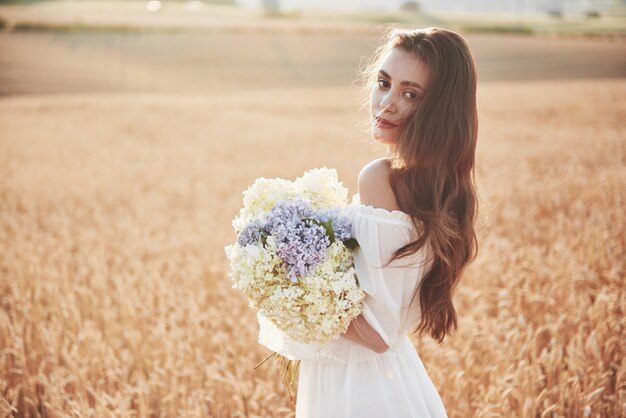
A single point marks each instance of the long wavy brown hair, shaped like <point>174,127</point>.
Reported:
<point>432,172</point>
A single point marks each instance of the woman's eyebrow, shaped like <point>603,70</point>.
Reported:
<point>403,83</point>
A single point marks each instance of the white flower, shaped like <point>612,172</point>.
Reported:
<point>323,188</point>
<point>259,199</point>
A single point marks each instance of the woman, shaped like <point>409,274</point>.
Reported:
<point>415,226</point>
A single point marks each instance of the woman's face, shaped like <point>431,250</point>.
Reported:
<point>401,80</point>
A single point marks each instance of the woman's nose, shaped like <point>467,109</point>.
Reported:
<point>388,103</point>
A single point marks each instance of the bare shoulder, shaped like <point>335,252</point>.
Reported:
<point>374,186</point>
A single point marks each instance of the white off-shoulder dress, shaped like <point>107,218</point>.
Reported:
<point>344,379</point>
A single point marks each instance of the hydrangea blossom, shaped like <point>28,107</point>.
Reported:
<point>302,239</point>
<point>290,258</point>
<point>251,234</point>
<point>342,227</point>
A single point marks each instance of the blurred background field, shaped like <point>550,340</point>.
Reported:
<point>573,17</point>
<point>127,136</point>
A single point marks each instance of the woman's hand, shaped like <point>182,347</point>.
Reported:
<point>361,332</point>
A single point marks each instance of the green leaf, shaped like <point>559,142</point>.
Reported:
<point>351,243</point>
<point>328,226</point>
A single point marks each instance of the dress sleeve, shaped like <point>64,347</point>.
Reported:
<point>389,288</point>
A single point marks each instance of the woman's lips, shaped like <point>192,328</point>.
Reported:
<point>384,123</point>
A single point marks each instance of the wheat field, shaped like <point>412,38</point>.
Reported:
<point>114,211</point>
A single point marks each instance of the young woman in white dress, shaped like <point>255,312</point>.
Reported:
<point>414,221</point>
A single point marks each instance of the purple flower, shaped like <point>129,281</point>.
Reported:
<point>285,215</point>
<point>341,223</point>
<point>303,234</point>
<point>251,234</point>
<point>303,249</point>
<point>302,244</point>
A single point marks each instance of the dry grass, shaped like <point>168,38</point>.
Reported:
<point>114,211</point>
<point>219,17</point>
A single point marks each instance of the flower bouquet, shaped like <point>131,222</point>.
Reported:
<point>292,257</point>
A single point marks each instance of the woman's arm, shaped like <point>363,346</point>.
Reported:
<point>374,190</point>
<point>361,332</point>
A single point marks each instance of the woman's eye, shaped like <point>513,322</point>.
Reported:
<point>382,83</point>
<point>410,95</point>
